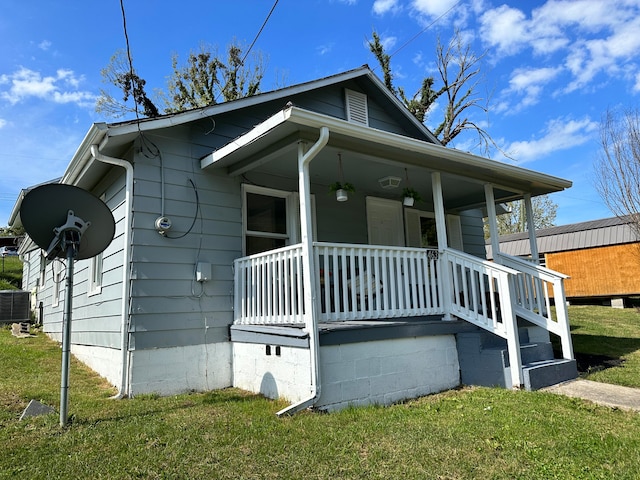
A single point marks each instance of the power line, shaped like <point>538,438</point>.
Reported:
<point>425,28</point>
<point>126,39</point>
<point>259,31</point>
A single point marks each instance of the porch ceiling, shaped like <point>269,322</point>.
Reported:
<point>368,155</point>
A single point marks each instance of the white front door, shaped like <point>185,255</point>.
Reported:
<point>384,222</point>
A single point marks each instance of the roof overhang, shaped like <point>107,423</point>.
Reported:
<point>278,136</point>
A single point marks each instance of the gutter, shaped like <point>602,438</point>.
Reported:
<point>123,390</point>
<point>307,254</point>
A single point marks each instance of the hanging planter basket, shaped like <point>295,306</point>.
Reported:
<point>410,196</point>
<point>342,190</point>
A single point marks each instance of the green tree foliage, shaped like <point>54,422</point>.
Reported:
<point>205,79</point>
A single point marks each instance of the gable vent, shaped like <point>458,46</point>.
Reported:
<point>357,111</point>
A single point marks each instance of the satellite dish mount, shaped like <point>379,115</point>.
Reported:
<point>48,214</point>
<point>67,237</point>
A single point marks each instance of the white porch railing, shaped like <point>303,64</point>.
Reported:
<point>268,287</point>
<point>368,281</point>
<point>532,286</point>
<point>352,282</point>
<point>478,291</point>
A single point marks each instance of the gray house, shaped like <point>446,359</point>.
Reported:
<point>235,264</point>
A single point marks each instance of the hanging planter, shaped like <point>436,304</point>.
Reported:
<point>341,188</point>
<point>410,196</point>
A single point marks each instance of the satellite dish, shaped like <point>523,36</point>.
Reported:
<point>49,210</point>
<point>69,223</point>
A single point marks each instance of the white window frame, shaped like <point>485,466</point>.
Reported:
<point>95,275</point>
<point>292,236</point>
<point>96,270</point>
<point>58,269</point>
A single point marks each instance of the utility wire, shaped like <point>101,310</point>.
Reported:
<point>264,24</point>
<point>126,39</point>
<point>425,28</point>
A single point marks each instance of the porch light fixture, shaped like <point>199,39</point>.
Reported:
<point>389,182</point>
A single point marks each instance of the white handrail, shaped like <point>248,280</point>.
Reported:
<point>533,285</point>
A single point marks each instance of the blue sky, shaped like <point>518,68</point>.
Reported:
<point>551,68</point>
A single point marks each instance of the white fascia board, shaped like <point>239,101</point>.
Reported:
<point>252,135</point>
<point>83,157</point>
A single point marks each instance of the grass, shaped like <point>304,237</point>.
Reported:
<point>462,434</point>
<point>610,332</point>
<point>10,273</point>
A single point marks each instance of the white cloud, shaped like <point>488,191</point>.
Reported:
<point>559,134</point>
<point>591,36</point>
<point>530,82</point>
<point>3,122</point>
<point>433,8</point>
<point>61,88</point>
<point>44,45</point>
<point>504,28</point>
<point>381,7</point>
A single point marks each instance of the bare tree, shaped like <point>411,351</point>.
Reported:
<point>617,168</point>
<point>459,73</point>
<point>134,99</point>
<point>515,221</point>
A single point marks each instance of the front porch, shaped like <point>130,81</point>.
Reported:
<point>399,307</point>
<point>311,261</point>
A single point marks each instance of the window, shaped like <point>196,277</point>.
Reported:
<point>271,219</point>
<point>95,275</point>
<point>420,229</point>
<point>95,270</point>
<point>58,268</point>
<point>266,225</point>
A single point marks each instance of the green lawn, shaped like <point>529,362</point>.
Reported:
<point>10,273</point>
<point>611,332</point>
<point>464,434</point>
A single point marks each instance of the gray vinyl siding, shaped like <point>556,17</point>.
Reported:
<point>169,308</point>
<point>473,233</point>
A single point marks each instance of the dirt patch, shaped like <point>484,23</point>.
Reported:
<point>588,363</point>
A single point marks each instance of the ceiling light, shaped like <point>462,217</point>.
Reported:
<point>389,182</point>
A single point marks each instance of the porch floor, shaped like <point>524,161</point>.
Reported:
<point>352,331</point>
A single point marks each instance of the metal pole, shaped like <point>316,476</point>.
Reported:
<point>66,336</point>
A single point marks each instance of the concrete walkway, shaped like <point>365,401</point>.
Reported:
<point>625,398</point>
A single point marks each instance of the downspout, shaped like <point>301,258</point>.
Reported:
<point>123,390</point>
<point>308,278</point>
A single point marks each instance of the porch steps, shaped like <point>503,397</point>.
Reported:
<point>484,360</point>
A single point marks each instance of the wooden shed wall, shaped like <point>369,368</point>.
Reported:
<point>599,272</point>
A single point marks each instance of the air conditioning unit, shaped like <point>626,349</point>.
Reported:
<point>14,306</point>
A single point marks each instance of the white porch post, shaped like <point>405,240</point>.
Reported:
<point>531,229</point>
<point>508,315</point>
<point>492,219</point>
<point>441,231</point>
